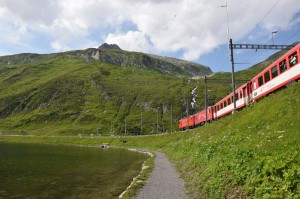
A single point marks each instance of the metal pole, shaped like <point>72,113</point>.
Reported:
<point>111,128</point>
<point>205,95</point>
<point>125,126</point>
<point>273,32</point>
<point>171,118</point>
<point>232,74</point>
<point>157,120</point>
<point>141,124</point>
<point>187,111</point>
<point>162,119</point>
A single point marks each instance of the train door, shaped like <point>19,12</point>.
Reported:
<point>250,91</point>
<point>245,95</point>
<point>212,112</point>
<point>216,113</point>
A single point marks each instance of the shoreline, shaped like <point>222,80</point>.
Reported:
<point>137,179</point>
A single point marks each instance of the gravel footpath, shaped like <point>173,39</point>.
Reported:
<point>163,182</point>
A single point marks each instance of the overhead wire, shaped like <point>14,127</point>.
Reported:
<point>255,27</point>
<point>258,24</point>
<point>261,21</point>
<point>292,36</point>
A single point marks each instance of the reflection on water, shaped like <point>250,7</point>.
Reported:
<point>55,171</point>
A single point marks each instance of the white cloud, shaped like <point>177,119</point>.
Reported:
<point>32,11</point>
<point>191,27</point>
<point>197,28</point>
<point>132,41</point>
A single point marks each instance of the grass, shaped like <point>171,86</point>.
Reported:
<point>254,153</point>
<point>59,94</point>
<point>62,95</point>
<point>251,154</point>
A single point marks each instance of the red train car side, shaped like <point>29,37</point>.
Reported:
<point>282,72</point>
<point>183,124</point>
<point>225,106</point>
<point>200,117</point>
<point>187,123</point>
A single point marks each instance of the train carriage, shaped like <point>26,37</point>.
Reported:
<point>200,117</point>
<point>282,72</point>
<point>183,124</point>
<point>191,120</point>
<point>225,106</point>
<point>187,123</point>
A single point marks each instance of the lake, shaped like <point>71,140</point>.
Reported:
<point>58,171</point>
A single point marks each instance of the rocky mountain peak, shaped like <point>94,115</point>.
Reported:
<point>109,46</point>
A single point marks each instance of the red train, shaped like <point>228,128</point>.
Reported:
<point>282,72</point>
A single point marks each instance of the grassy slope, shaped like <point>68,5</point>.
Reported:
<point>254,153</point>
<point>58,95</point>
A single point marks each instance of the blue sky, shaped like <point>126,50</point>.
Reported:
<point>186,29</point>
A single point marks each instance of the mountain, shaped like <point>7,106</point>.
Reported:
<point>93,91</point>
<point>113,54</point>
<point>100,91</point>
<point>170,66</point>
<point>109,46</point>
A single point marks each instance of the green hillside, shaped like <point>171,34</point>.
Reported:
<point>61,94</point>
<point>87,92</point>
<point>254,153</point>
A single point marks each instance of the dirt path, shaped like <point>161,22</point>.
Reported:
<point>163,182</point>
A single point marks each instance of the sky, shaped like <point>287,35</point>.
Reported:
<point>194,30</point>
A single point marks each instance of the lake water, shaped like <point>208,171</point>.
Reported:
<point>56,171</point>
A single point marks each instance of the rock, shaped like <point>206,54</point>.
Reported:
<point>109,46</point>
<point>165,65</point>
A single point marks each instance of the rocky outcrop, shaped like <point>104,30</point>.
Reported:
<point>165,65</point>
<point>113,54</point>
<point>109,46</point>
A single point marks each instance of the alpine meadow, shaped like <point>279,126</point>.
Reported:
<point>118,97</point>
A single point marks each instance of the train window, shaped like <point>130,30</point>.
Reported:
<point>282,66</point>
<point>274,71</point>
<point>241,95</point>
<point>293,59</point>
<point>221,105</point>
<point>228,101</point>
<point>260,81</point>
<point>236,96</point>
<point>225,104</point>
<point>267,76</point>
